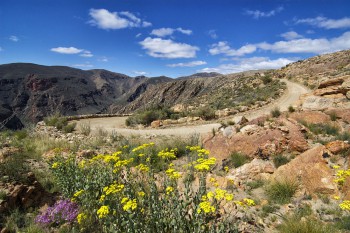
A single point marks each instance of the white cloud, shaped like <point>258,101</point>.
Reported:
<point>14,38</point>
<point>303,45</point>
<point>140,73</point>
<point>162,32</point>
<point>103,59</point>
<point>105,19</point>
<point>184,31</point>
<point>254,63</point>
<point>157,47</point>
<point>222,47</point>
<point>212,34</point>
<point>84,65</point>
<point>67,50</point>
<point>188,64</point>
<point>323,22</point>
<point>86,53</point>
<point>291,35</point>
<point>260,14</point>
<point>138,35</point>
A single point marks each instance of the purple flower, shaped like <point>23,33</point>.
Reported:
<point>63,211</point>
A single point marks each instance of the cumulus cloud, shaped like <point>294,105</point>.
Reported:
<point>323,22</point>
<point>72,50</point>
<point>67,50</point>
<point>84,65</point>
<point>302,45</point>
<point>254,63</point>
<point>140,73</point>
<point>223,47</point>
<point>105,19</point>
<point>261,14</point>
<point>162,32</point>
<point>188,64</point>
<point>161,48</point>
<point>291,35</point>
<point>14,38</point>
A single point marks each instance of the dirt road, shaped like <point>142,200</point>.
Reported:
<point>117,124</point>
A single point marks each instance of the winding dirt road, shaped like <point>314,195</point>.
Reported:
<point>117,124</point>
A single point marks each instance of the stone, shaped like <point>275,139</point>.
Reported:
<point>7,152</point>
<point>348,95</point>
<point>331,82</point>
<point>182,120</point>
<point>86,154</point>
<point>241,120</point>
<point>311,171</point>
<point>252,170</point>
<point>337,146</point>
<point>156,124</point>
<point>249,129</point>
<point>228,131</point>
<point>311,117</point>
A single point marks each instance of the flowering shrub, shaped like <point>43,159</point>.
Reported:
<point>128,190</point>
<point>64,211</point>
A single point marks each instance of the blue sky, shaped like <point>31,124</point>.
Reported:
<point>171,37</point>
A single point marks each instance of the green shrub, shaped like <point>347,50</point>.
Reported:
<point>85,128</point>
<point>69,128</point>
<point>291,109</point>
<point>146,116</point>
<point>333,115</point>
<point>275,112</point>
<point>293,224</point>
<point>268,209</point>
<point>320,128</point>
<point>343,223</point>
<point>281,192</point>
<point>56,120</point>
<point>280,160</point>
<point>237,159</point>
<point>206,113</point>
<point>255,184</point>
<point>266,79</point>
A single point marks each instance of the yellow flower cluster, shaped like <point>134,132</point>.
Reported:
<point>121,163</point>
<point>246,202</point>
<point>167,154</point>
<point>142,167</point>
<point>103,211</point>
<point>345,205</point>
<point>201,152</point>
<point>143,146</point>
<point>173,174</point>
<point>204,164</point>
<point>55,165</point>
<point>341,176</point>
<point>218,194</point>
<point>81,217</point>
<point>141,194</point>
<point>77,194</point>
<point>206,207</point>
<point>129,204</point>
<point>169,190</point>
<point>107,158</point>
<point>113,189</point>
<point>214,182</point>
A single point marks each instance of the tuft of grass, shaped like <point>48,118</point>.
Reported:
<point>333,116</point>
<point>275,112</point>
<point>237,159</point>
<point>255,184</point>
<point>56,120</point>
<point>291,109</point>
<point>281,192</point>
<point>293,224</point>
<point>280,160</point>
<point>85,128</point>
<point>268,209</point>
<point>343,223</point>
<point>69,128</point>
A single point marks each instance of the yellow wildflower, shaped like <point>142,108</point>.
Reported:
<point>336,166</point>
<point>129,204</point>
<point>103,211</point>
<point>142,167</point>
<point>345,205</point>
<point>226,168</point>
<point>249,202</point>
<point>81,217</point>
<point>206,207</point>
<point>82,164</point>
<point>229,197</point>
<point>166,154</point>
<point>336,197</point>
<point>55,165</point>
<point>141,194</point>
<point>77,194</point>
<point>173,174</point>
<point>219,194</point>
<point>204,164</point>
<point>102,198</point>
<point>113,189</point>
<point>169,190</point>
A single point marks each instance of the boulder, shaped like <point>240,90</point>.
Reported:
<point>228,131</point>
<point>331,82</point>
<point>343,114</point>
<point>310,169</point>
<point>252,171</point>
<point>241,120</point>
<point>156,124</point>
<point>311,117</point>
<point>337,146</point>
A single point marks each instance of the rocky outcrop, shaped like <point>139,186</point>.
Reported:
<point>337,146</point>
<point>314,117</point>
<point>311,171</point>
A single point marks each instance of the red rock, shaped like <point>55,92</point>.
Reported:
<point>156,124</point>
<point>311,170</point>
<point>314,117</point>
<point>337,146</point>
<point>331,82</point>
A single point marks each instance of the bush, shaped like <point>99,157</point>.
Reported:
<point>275,112</point>
<point>266,79</point>
<point>238,159</point>
<point>206,113</point>
<point>56,120</point>
<point>281,192</point>
<point>293,224</point>
<point>280,160</point>
<point>333,115</point>
<point>146,116</point>
<point>85,128</point>
<point>291,109</point>
<point>69,128</point>
<point>121,191</point>
<point>323,129</point>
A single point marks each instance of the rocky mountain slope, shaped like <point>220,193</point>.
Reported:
<point>33,91</point>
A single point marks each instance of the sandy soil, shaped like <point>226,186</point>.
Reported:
<point>117,124</point>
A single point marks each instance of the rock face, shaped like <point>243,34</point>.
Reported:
<point>310,169</point>
<point>33,91</point>
<point>314,117</point>
<point>337,146</point>
<point>257,141</point>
